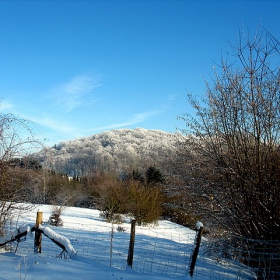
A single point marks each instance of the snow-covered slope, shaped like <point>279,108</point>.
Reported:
<point>161,252</point>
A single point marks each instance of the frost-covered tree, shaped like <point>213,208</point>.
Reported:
<point>113,151</point>
<point>232,153</point>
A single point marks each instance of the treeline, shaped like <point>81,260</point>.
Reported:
<point>140,195</point>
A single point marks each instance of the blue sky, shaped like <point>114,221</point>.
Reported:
<point>77,68</point>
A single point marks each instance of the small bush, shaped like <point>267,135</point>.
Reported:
<point>111,218</point>
<point>144,202</point>
<point>55,219</point>
<point>121,229</point>
<point>181,217</point>
<point>118,219</point>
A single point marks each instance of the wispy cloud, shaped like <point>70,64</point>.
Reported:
<point>5,105</point>
<point>172,97</point>
<point>75,92</point>
<point>54,124</point>
<point>138,118</point>
<point>49,123</point>
<point>41,120</point>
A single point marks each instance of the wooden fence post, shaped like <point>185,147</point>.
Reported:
<point>38,234</point>
<point>199,227</point>
<point>131,244</point>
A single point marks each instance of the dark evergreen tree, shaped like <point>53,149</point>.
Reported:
<point>154,176</point>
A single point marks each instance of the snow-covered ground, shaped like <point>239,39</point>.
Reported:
<point>161,252</point>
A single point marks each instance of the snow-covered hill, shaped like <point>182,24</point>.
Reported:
<point>116,150</point>
<point>161,252</point>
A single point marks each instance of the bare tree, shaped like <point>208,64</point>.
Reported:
<point>16,141</point>
<point>232,153</point>
<point>231,158</point>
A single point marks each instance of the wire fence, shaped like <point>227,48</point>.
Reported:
<point>164,251</point>
<point>262,256</point>
<point>154,252</point>
<point>156,255</point>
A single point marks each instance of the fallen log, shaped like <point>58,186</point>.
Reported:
<point>61,241</point>
<point>15,235</point>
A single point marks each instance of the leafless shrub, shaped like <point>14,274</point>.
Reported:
<point>55,219</point>
<point>121,229</point>
<point>17,140</point>
<point>232,152</point>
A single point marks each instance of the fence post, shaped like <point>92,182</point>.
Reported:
<point>38,234</point>
<point>199,227</point>
<point>131,243</point>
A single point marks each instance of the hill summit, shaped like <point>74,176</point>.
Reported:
<point>113,151</point>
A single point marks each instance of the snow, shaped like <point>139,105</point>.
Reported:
<point>198,225</point>
<point>59,239</point>
<point>161,251</point>
<point>10,236</point>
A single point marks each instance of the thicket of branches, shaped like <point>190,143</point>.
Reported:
<point>232,154</point>
<point>16,140</point>
<point>135,195</point>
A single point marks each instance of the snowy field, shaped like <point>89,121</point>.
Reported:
<point>161,252</point>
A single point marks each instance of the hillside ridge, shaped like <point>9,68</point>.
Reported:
<point>118,150</point>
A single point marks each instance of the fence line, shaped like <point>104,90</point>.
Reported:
<point>262,257</point>
<point>164,251</point>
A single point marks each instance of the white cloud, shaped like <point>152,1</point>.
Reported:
<point>49,123</point>
<point>54,124</point>
<point>143,116</point>
<point>75,92</point>
<point>4,105</point>
<point>138,118</point>
<point>172,97</point>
